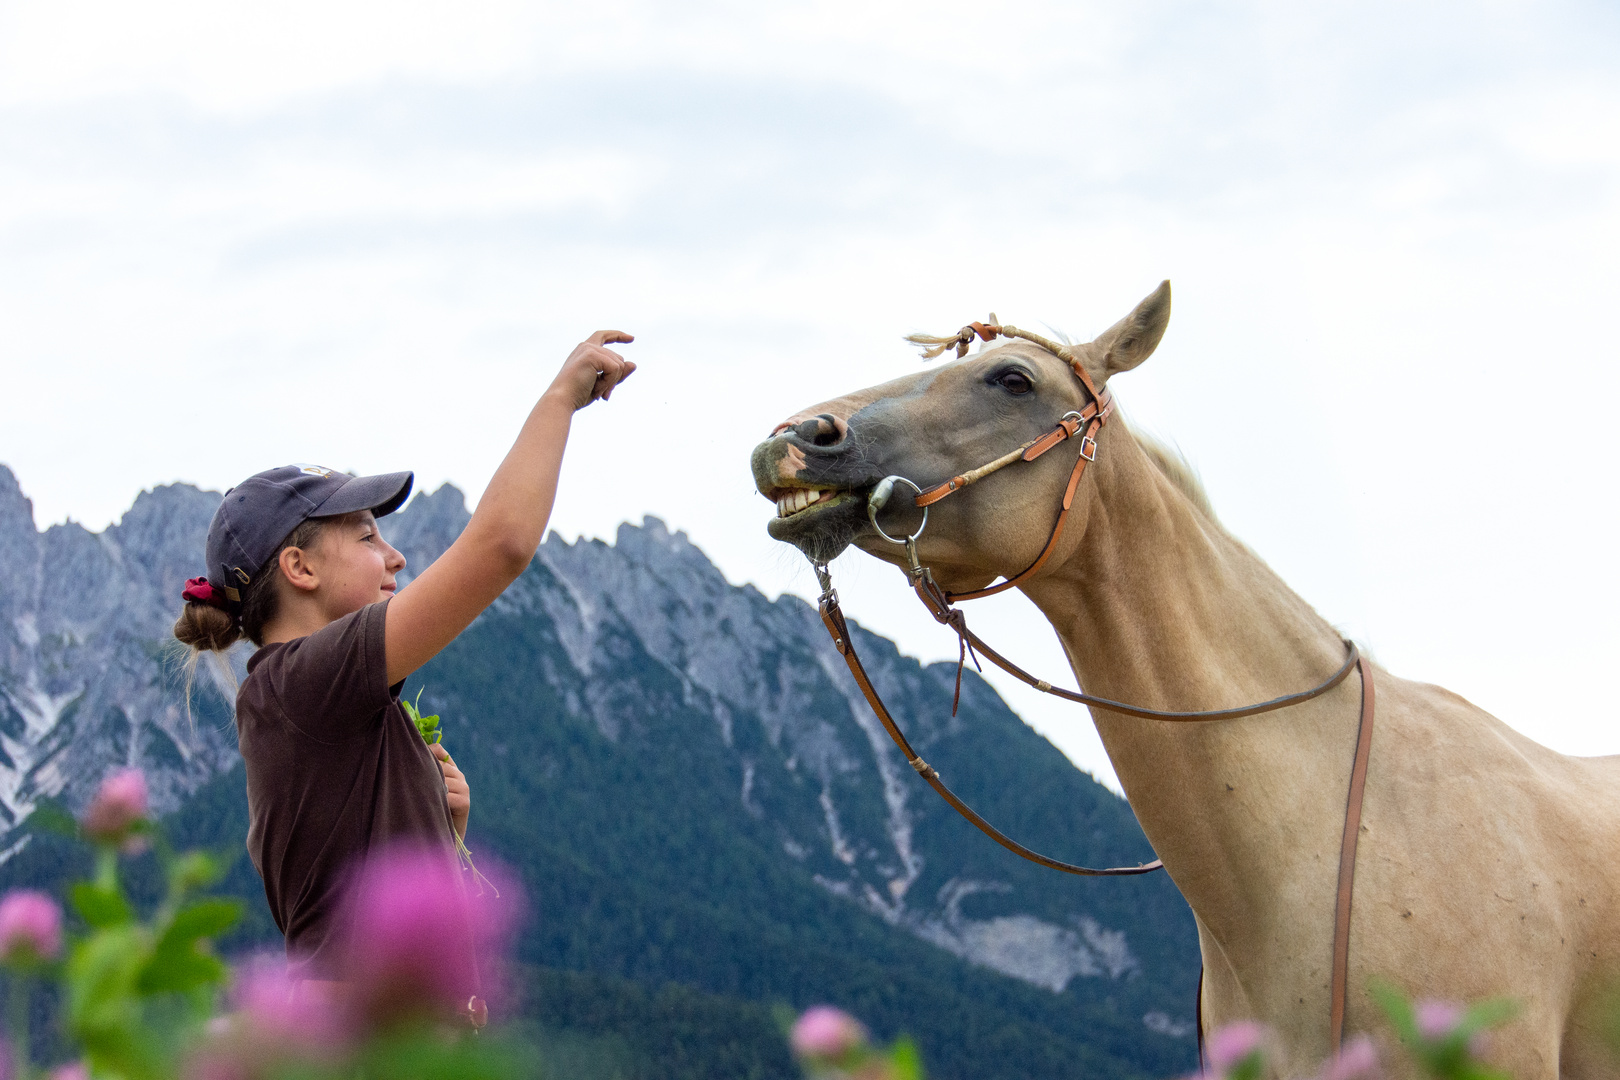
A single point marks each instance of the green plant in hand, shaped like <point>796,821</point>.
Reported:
<point>428,728</point>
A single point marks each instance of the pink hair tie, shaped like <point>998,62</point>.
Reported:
<point>198,591</point>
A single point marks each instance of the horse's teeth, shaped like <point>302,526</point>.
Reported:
<point>802,499</point>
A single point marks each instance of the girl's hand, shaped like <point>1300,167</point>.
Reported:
<point>591,372</point>
<point>500,541</point>
<point>455,786</point>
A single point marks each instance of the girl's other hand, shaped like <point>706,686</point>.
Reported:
<point>455,786</point>
<point>591,371</point>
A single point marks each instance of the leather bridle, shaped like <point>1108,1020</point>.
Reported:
<point>1085,425</point>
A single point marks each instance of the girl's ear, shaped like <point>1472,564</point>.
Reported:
<point>298,569</point>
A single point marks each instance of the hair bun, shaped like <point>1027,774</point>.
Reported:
<point>202,626</point>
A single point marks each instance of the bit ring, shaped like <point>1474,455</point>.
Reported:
<point>879,498</point>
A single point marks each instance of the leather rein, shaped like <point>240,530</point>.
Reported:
<point>1084,425</point>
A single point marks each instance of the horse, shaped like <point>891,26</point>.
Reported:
<point>1487,864</point>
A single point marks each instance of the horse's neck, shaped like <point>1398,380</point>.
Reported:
<point>1158,606</point>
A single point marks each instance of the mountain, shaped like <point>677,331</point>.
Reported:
<point>706,817</point>
<point>88,680</point>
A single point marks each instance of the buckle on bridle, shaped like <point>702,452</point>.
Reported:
<point>1085,441</point>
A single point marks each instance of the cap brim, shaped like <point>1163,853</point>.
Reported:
<point>381,494</point>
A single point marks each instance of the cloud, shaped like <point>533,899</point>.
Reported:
<point>365,234</point>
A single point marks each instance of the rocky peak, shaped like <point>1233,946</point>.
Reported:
<point>89,676</point>
<point>425,528</point>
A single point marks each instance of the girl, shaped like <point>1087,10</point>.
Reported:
<point>296,565</point>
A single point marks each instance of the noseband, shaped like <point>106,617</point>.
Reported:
<point>1085,424</point>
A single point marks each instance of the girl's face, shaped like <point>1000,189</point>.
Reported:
<point>356,565</point>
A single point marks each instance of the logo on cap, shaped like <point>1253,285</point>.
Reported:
<point>314,470</point>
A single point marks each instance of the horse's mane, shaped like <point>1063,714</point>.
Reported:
<point>1176,469</point>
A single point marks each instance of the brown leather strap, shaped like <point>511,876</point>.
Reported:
<point>1347,862</point>
<point>833,617</point>
<point>1090,421</point>
<point>1066,428</point>
<point>938,604</point>
<point>1080,464</point>
<point>1198,1016</point>
<point>1352,655</point>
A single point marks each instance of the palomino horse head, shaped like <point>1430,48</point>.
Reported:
<point>820,465</point>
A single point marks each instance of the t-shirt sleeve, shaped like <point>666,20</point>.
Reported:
<point>333,684</point>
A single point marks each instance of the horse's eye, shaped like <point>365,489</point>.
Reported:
<point>1014,382</point>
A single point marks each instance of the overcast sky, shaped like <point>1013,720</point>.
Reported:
<point>364,235</point>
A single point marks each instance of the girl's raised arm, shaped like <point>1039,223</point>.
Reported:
<point>506,529</point>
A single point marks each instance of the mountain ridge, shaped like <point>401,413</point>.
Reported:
<point>699,757</point>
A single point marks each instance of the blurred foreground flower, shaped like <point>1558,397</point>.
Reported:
<point>826,1034</point>
<point>118,809</point>
<point>30,928</point>
<point>77,1070</point>
<point>278,1010</point>
<point>1446,1039</point>
<point>831,1043</point>
<point>416,937</point>
<point>1237,1051</point>
<point>278,1029</point>
<point>1437,1019</point>
<point>1357,1060</point>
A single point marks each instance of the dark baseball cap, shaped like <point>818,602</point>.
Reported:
<point>257,514</point>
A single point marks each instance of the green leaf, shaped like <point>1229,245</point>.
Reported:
<point>100,906</point>
<point>907,1062</point>
<point>1488,1014</point>
<point>103,1009</point>
<point>193,870</point>
<point>412,1056</point>
<point>1397,1008</point>
<point>205,918</point>
<point>1252,1067</point>
<point>50,817</point>
<point>181,962</point>
<point>178,971</point>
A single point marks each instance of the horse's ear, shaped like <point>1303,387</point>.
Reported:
<point>1133,339</point>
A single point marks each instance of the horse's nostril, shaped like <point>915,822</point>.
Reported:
<point>822,430</point>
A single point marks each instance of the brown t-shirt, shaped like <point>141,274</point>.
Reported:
<point>334,769</point>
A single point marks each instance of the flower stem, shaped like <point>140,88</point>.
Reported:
<point>17,1014</point>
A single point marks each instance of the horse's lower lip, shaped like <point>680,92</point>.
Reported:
<point>843,512</point>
